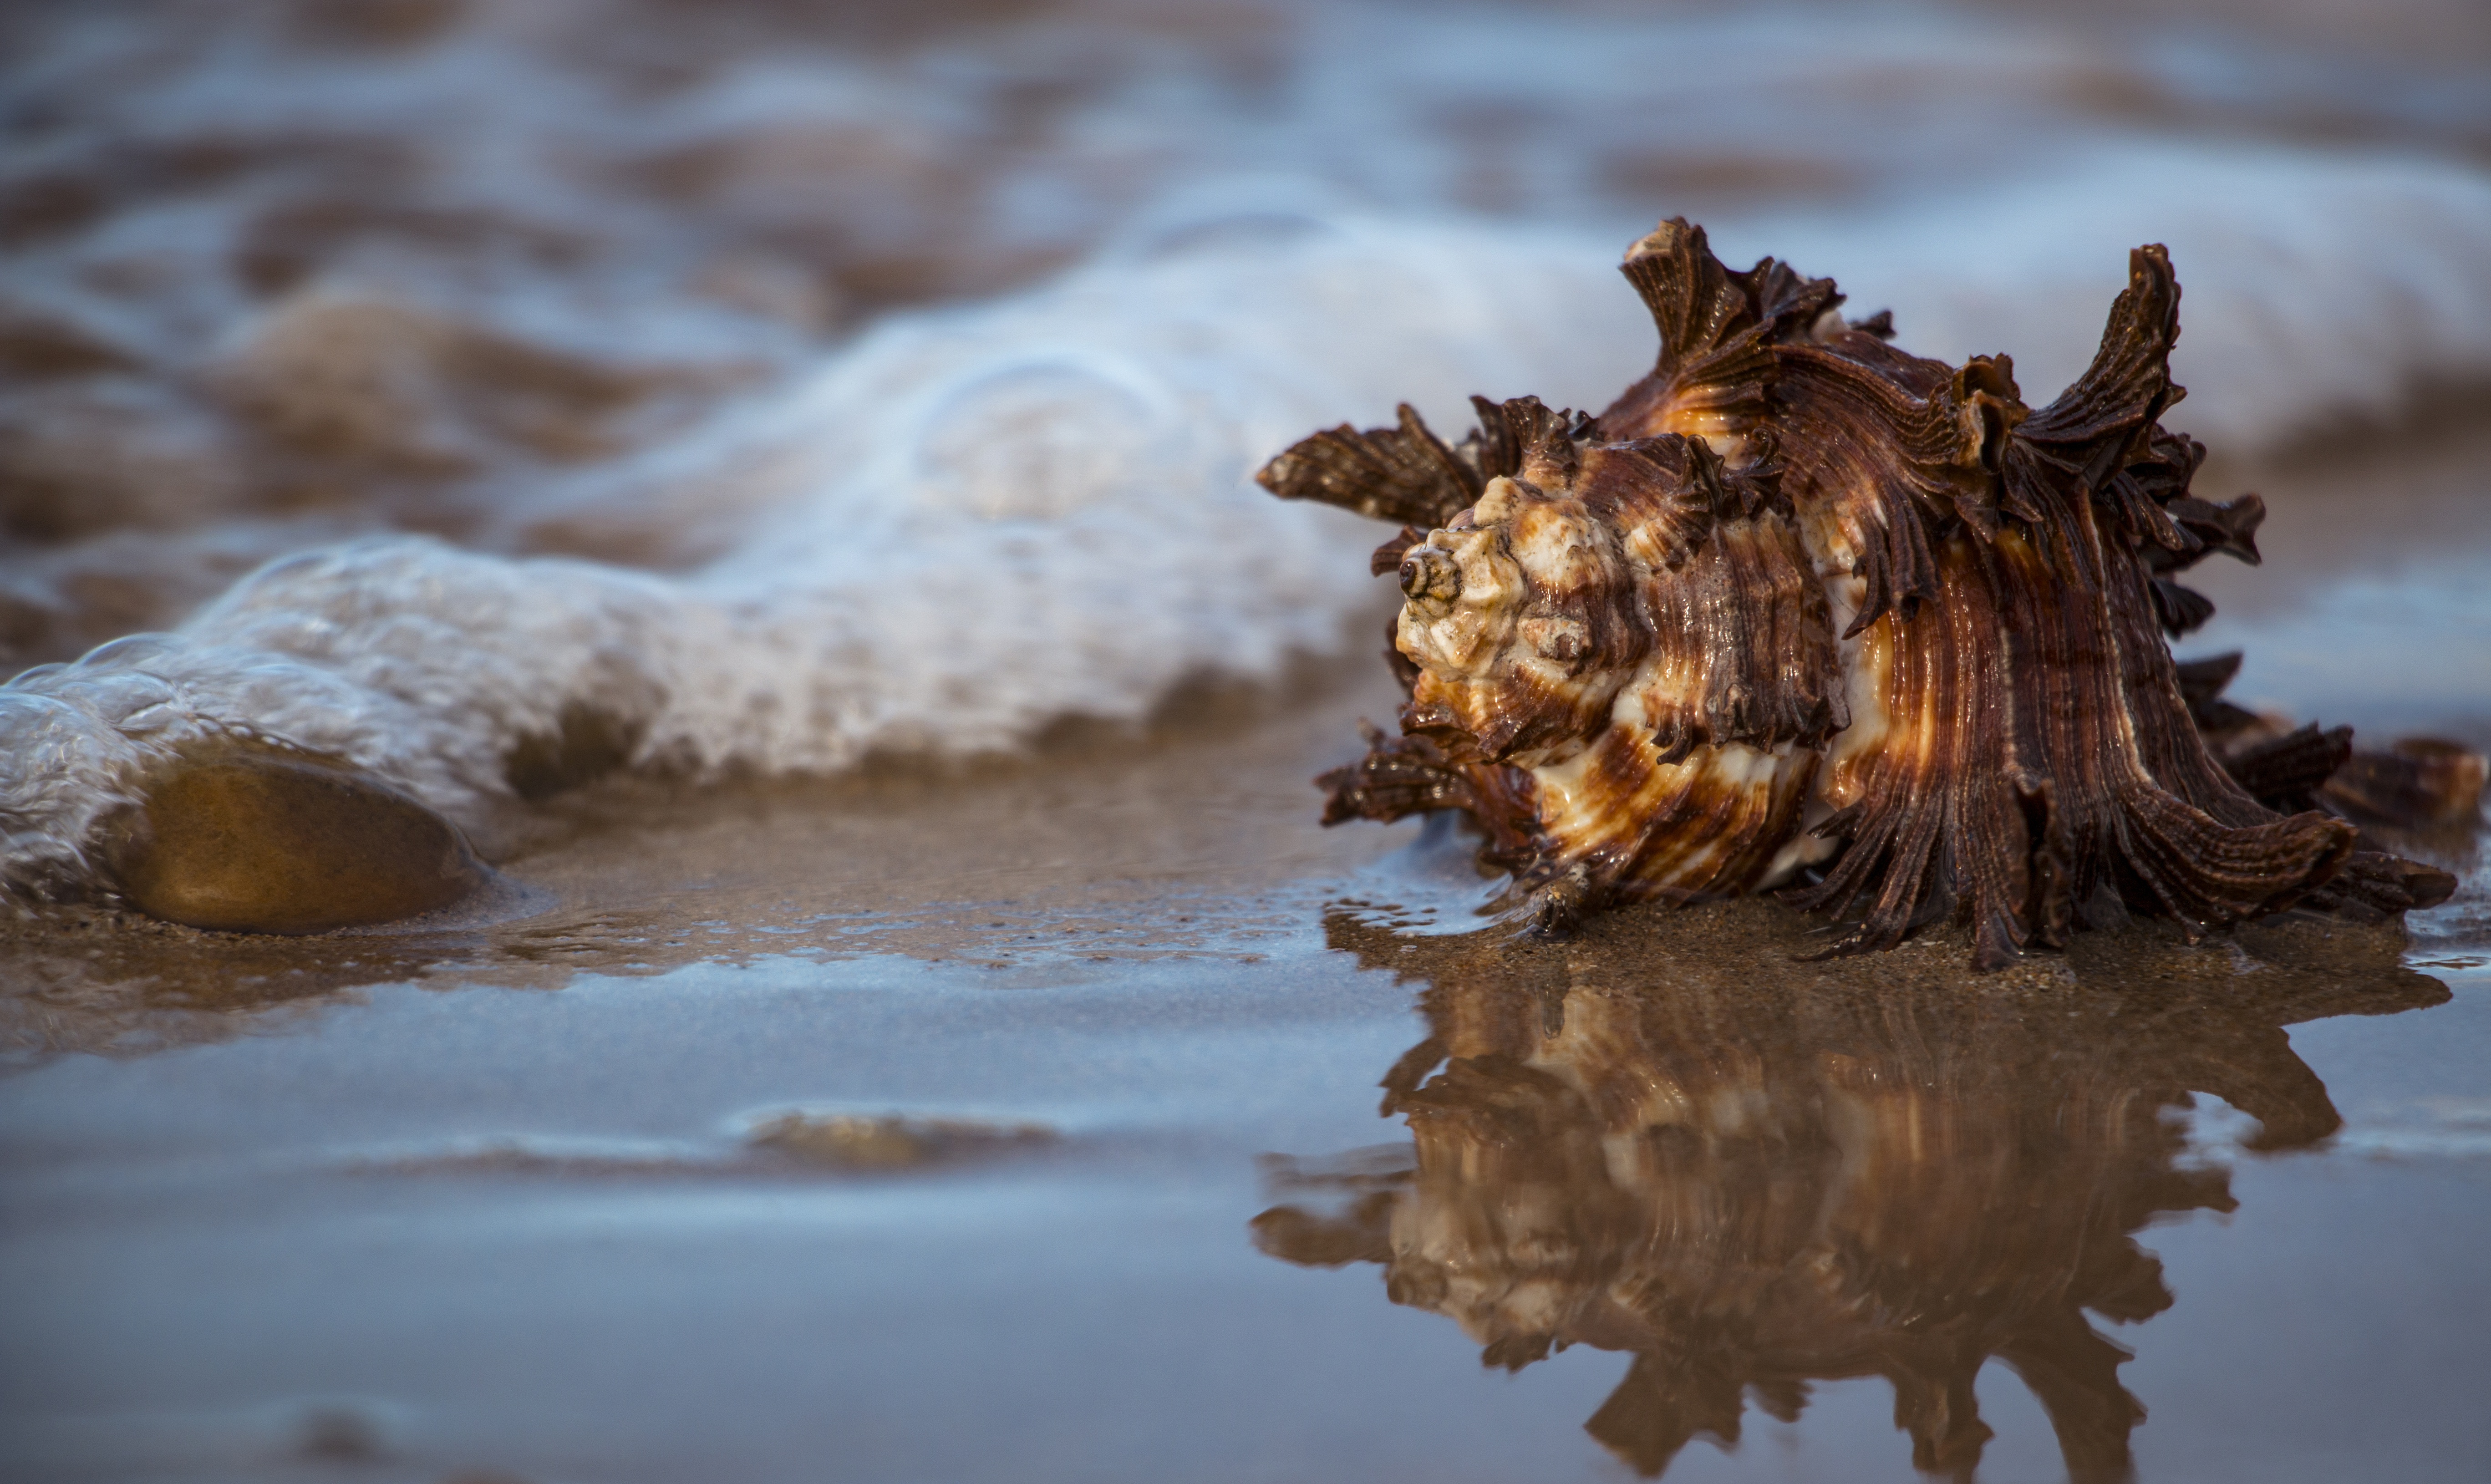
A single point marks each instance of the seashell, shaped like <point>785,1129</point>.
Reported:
<point>1802,608</point>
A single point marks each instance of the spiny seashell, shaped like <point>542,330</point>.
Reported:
<point>1799,601</point>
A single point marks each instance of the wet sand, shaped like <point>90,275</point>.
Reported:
<point>497,1199</point>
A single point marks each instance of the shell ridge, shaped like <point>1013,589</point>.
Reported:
<point>1739,637</point>
<point>1929,782</point>
<point>2254,862</point>
<point>1700,828</point>
<point>1883,466</point>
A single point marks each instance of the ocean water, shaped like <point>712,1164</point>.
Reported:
<point>775,393</point>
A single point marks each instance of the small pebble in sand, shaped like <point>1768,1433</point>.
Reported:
<point>254,841</point>
<point>340,1433</point>
<point>858,1142</point>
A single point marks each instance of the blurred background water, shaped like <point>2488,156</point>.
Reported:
<point>281,272</point>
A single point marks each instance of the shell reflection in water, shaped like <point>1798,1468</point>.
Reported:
<point>1754,1186</point>
<point>1800,608</point>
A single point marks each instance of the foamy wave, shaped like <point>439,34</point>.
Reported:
<point>976,520</point>
<point>969,523</point>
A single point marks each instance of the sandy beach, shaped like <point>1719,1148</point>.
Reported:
<point>1075,1106</point>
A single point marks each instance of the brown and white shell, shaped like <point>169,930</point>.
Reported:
<point>1800,607</point>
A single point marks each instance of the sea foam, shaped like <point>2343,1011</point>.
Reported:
<point>970,521</point>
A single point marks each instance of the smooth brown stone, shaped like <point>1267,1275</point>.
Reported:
<point>258,843</point>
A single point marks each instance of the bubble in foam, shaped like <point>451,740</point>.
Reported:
<point>1042,440</point>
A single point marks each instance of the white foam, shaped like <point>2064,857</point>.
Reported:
<point>2314,283</point>
<point>974,520</point>
<point>969,523</point>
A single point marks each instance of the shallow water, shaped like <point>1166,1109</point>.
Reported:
<point>451,1225</point>
<point>848,413</point>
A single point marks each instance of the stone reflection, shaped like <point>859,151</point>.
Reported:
<point>108,984</point>
<point>102,981</point>
<point>1750,1174</point>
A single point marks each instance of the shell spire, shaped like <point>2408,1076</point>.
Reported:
<point>1800,607</point>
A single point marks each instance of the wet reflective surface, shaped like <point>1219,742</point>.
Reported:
<point>1752,1186</point>
<point>1014,1214</point>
